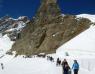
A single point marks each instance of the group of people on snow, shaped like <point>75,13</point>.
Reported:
<point>66,68</point>
<point>50,58</point>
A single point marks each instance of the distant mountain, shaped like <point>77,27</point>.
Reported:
<point>48,30</point>
<point>12,26</point>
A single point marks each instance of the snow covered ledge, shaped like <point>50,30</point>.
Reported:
<point>82,48</point>
<point>81,45</point>
<point>88,16</point>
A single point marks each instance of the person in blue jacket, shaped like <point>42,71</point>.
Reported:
<point>75,67</point>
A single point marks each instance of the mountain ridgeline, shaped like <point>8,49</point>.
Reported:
<point>48,30</point>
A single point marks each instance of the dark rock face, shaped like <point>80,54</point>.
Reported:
<point>48,30</point>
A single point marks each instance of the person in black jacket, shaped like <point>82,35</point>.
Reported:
<point>58,62</point>
<point>65,67</point>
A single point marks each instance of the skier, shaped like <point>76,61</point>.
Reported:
<point>75,67</point>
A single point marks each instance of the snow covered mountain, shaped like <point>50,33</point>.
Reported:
<point>84,53</point>
<point>12,26</point>
<point>72,37</point>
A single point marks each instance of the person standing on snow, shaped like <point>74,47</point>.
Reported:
<point>2,66</point>
<point>58,62</point>
<point>75,67</point>
<point>65,67</point>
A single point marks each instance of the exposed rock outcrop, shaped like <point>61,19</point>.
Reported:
<point>48,30</point>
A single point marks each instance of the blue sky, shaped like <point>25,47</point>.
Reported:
<point>16,8</point>
<point>77,6</point>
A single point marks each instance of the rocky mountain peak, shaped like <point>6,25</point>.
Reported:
<point>48,30</point>
<point>48,11</point>
<point>49,1</point>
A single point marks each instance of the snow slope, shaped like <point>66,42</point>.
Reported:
<point>5,44</point>
<point>82,47</point>
<point>36,65</point>
<point>21,65</point>
<point>89,16</point>
<point>83,44</point>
